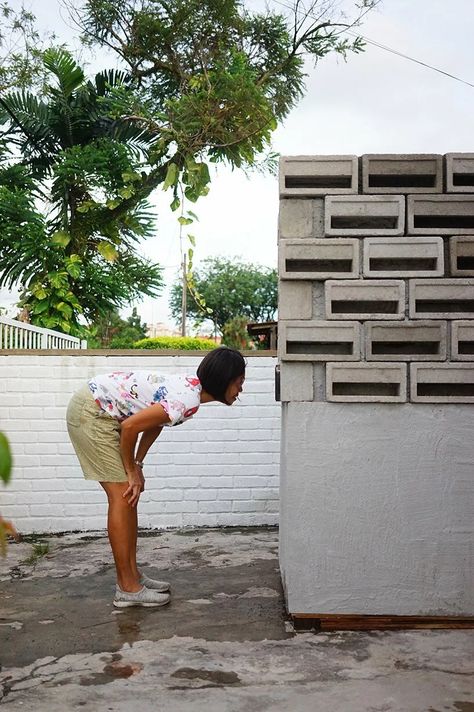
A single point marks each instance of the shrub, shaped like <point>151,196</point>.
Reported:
<point>185,343</point>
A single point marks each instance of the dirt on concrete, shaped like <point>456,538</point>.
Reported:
<point>223,644</point>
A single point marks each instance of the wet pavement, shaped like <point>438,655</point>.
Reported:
<point>224,644</point>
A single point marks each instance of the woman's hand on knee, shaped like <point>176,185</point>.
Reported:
<point>136,485</point>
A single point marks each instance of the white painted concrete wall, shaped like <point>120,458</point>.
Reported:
<point>377,505</point>
<point>220,468</point>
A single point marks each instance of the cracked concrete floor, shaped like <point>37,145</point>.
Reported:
<point>224,644</point>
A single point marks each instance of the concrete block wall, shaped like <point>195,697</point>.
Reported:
<point>376,362</point>
<point>397,249</point>
<point>219,468</point>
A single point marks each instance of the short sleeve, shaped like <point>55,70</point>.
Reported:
<point>182,400</point>
<point>175,409</point>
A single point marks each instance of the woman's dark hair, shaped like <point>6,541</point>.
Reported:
<point>218,369</point>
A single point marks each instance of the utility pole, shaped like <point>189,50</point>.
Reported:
<point>184,298</point>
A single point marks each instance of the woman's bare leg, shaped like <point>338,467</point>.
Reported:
<point>122,527</point>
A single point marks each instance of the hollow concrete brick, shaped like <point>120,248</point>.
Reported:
<point>403,257</point>
<point>461,254</point>
<point>296,382</point>
<point>402,173</point>
<point>440,214</point>
<point>366,382</point>
<point>319,341</point>
<point>364,299</point>
<point>460,172</point>
<point>318,175</point>
<point>319,259</point>
<point>295,300</point>
<point>441,298</point>
<point>359,215</point>
<point>442,382</point>
<point>406,341</point>
<point>462,340</point>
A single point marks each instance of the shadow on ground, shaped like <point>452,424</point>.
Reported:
<point>223,644</point>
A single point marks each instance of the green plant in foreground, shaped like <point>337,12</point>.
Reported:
<point>39,549</point>
<point>6,528</point>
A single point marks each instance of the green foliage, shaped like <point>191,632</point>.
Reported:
<point>206,81</point>
<point>212,80</point>
<point>6,528</point>
<point>5,459</point>
<point>235,334</point>
<point>230,288</point>
<point>21,48</point>
<point>185,343</point>
<point>77,259</point>
<point>113,332</point>
<point>38,550</point>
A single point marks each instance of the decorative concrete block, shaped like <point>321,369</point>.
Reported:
<point>440,214</point>
<point>460,172</point>
<point>364,299</point>
<point>295,300</point>
<point>295,219</point>
<point>318,175</point>
<point>319,341</point>
<point>296,382</point>
<point>366,382</point>
<point>461,252</point>
<point>441,298</point>
<point>319,259</point>
<point>402,173</point>
<point>360,215</point>
<point>403,257</point>
<point>462,340</point>
<point>442,382</point>
<point>406,341</point>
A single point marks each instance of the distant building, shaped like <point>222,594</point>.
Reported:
<point>161,329</point>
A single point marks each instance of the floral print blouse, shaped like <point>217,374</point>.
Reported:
<point>121,394</point>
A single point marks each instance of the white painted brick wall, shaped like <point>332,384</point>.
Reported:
<point>219,468</point>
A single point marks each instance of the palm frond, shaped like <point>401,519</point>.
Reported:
<point>109,78</point>
<point>61,63</point>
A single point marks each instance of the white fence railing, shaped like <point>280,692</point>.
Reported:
<point>19,335</point>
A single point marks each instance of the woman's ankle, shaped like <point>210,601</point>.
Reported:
<point>129,585</point>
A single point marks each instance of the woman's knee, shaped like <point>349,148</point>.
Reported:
<point>114,490</point>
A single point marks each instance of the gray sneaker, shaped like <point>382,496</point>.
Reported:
<point>146,597</point>
<point>160,586</point>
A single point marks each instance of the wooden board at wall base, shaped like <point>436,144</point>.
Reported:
<point>328,622</point>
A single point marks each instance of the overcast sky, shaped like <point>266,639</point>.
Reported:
<point>377,102</point>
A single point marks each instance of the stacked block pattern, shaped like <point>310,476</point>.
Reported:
<point>376,268</point>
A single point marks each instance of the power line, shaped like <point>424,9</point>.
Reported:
<point>411,59</point>
<point>387,49</point>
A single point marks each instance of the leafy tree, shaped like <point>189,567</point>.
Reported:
<point>113,332</point>
<point>206,81</point>
<point>235,334</point>
<point>59,237</point>
<point>21,48</point>
<point>231,288</point>
<point>212,79</point>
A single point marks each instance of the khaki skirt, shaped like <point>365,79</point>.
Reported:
<point>96,438</point>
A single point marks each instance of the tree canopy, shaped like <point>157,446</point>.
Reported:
<point>59,238</point>
<point>200,81</point>
<point>231,288</point>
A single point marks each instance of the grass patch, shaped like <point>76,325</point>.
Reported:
<point>39,549</point>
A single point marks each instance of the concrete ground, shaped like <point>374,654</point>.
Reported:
<point>224,644</point>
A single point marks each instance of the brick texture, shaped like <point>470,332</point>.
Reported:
<point>214,470</point>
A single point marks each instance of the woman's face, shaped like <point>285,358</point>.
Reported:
<point>233,389</point>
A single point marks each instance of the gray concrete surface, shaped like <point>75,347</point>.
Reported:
<point>224,644</point>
